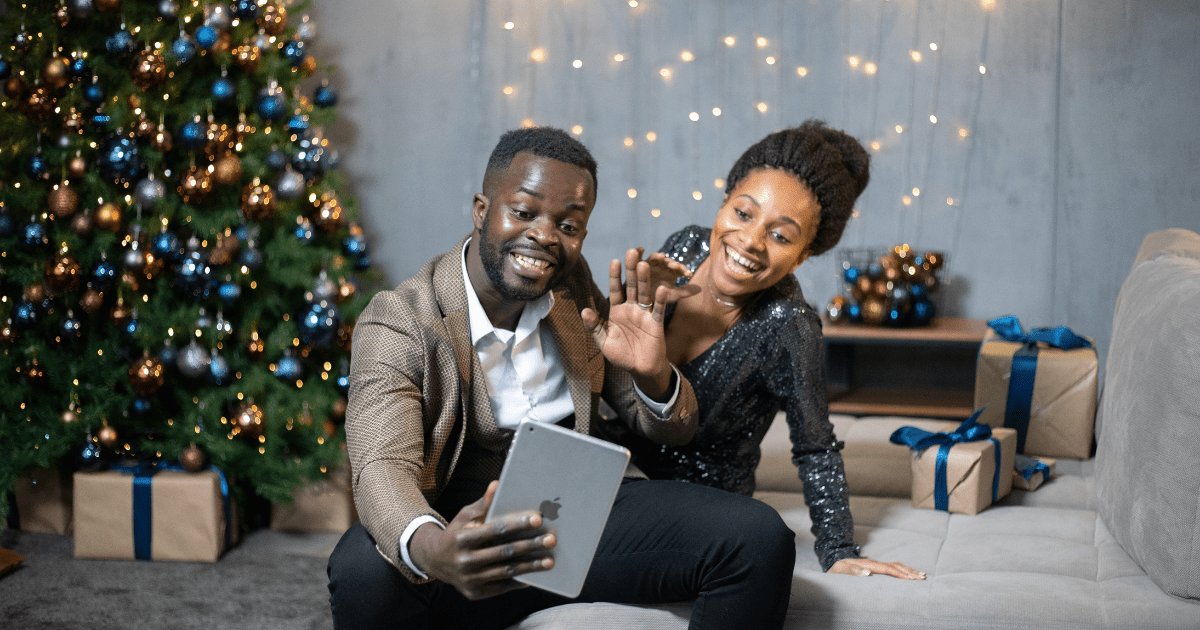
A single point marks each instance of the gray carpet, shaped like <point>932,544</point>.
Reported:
<point>271,580</point>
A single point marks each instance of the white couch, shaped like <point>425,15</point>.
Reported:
<point>1110,542</point>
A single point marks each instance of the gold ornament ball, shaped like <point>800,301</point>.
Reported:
<point>77,167</point>
<point>932,283</point>
<point>57,72</point>
<point>36,293</point>
<point>154,266</point>
<point>329,428</point>
<point>8,334</point>
<point>134,101</point>
<point>328,214</point>
<point>221,140</point>
<point>34,372</point>
<point>308,66</point>
<point>346,290</point>
<point>224,43</point>
<point>63,273</point>
<point>161,141</point>
<point>255,346</point>
<point>258,201</point>
<point>222,254</point>
<point>273,19</point>
<point>346,337</point>
<point>247,422</point>
<point>149,70</point>
<point>146,375</point>
<point>107,5</point>
<point>873,310</point>
<point>862,286</point>
<point>69,416</point>
<point>195,185</point>
<point>192,458</point>
<point>228,169</point>
<point>120,313</point>
<point>63,200</point>
<point>81,225</point>
<point>108,217</point>
<point>247,57</point>
<point>934,260</point>
<point>14,87</point>
<point>145,128</point>
<point>107,436</point>
<point>73,121</point>
<point>62,15</point>
<point>38,103</point>
<point>338,411</point>
<point>91,301</point>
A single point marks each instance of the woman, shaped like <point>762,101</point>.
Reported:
<point>743,335</point>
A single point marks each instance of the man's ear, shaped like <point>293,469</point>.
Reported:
<point>479,209</point>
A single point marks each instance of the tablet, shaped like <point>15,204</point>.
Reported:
<point>572,480</point>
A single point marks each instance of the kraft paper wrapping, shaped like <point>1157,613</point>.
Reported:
<point>1062,414</point>
<point>44,501</point>
<point>1035,480</point>
<point>322,506</point>
<point>970,467</point>
<point>187,516</point>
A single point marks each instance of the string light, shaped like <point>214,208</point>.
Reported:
<point>628,141</point>
<point>916,192</point>
<point>870,68</point>
<point>762,42</point>
<point>632,192</point>
<point>618,57</point>
<point>697,195</point>
<point>578,63</point>
<point>982,69</point>
<point>716,111</point>
<point>694,116</point>
<point>633,4</point>
<point>508,90</point>
<point>933,119</point>
<point>854,61</point>
<point>538,54</point>
<point>577,129</point>
<point>651,136</point>
<point>987,5</point>
<point>509,26</point>
<point>655,212</point>
<point>802,71</point>
<point>770,61</point>
<point>906,200</point>
<point>718,183</point>
<point>762,107</point>
<point>916,55</point>
<point>949,201</point>
<point>730,41</point>
<point>899,128</point>
<point>875,145</point>
<point>687,55</point>
<point>963,133</point>
<point>932,46</point>
<point>528,123</point>
<point>665,73</point>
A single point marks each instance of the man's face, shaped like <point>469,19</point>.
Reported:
<point>531,229</point>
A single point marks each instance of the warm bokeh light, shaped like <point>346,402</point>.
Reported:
<point>651,136</point>
<point>655,213</point>
<point>665,73</point>
<point>578,63</point>
<point>718,183</point>
<point>802,71</point>
<point>899,128</point>
<point>716,111</point>
<point>577,129</point>
<point>730,41</point>
<point>508,89</point>
<point>870,68</point>
<point>628,142</point>
<point>694,116</point>
<point>854,61</point>
<point>933,119</point>
<point>915,54</point>
<point>762,107</point>
<point>509,25</point>
<point>687,55</point>
<point>618,57</point>
<point>538,54</point>
<point>762,42</point>
<point>632,192</point>
<point>697,195</point>
<point>770,61</point>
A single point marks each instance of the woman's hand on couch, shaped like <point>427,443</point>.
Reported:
<point>865,566</point>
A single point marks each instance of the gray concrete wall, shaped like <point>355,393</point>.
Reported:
<point>1082,136</point>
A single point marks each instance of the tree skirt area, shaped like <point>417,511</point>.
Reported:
<point>270,580</point>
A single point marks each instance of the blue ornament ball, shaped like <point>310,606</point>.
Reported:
<point>192,136</point>
<point>918,290</point>
<point>318,324</point>
<point>141,406</point>
<point>104,276</point>
<point>70,329</point>
<point>288,368</point>
<point>184,49</point>
<point>251,258</point>
<point>854,312</point>
<point>218,369</point>
<point>875,271</point>
<point>93,93</point>
<point>168,355</point>
<point>325,96</point>
<point>276,159</point>
<point>304,231</point>
<point>355,246</point>
<point>25,314</point>
<point>79,68</point>
<point>34,235</point>
<point>166,246</point>
<point>298,124</point>
<point>295,53</point>
<point>37,167</point>
<point>89,458</point>
<point>311,159</point>
<point>343,384</point>
<point>245,9</point>
<point>895,317</point>
<point>229,292</point>
<point>131,328</point>
<point>223,89</point>
<point>272,105</point>
<point>923,311</point>
<point>851,274</point>
<point>193,276</point>
<point>206,36</point>
<point>362,263</point>
<point>117,158</point>
<point>5,69</point>
<point>7,225</point>
<point>121,43</point>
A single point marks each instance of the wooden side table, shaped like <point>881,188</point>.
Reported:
<point>923,371</point>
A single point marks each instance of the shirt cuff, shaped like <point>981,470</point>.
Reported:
<point>407,535</point>
<point>662,409</point>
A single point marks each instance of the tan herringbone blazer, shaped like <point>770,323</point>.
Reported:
<point>419,413</point>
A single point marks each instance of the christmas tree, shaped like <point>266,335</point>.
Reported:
<point>180,267</point>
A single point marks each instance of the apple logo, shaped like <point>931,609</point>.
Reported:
<point>549,509</point>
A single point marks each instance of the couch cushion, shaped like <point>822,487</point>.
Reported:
<point>1007,567</point>
<point>1147,477</point>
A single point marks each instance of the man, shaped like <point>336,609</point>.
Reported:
<point>509,325</point>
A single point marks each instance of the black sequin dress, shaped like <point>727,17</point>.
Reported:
<point>771,359</point>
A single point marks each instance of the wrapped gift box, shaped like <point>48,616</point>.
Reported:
<point>167,515</point>
<point>1029,473</point>
<point>972,473</point>
<point>321,506</point>
<point>44,501</point>
<point>1056,416</point>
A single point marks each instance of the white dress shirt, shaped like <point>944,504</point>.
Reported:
<point>523,373</point>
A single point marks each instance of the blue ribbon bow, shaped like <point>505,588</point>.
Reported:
<point>969,431</point>
<point>1024,367</point>
<point>143,474</point>
<point>1030,466</point>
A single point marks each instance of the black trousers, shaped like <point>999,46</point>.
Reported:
<point>665,541</point>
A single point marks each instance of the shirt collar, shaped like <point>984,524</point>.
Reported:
<point>481,325</point>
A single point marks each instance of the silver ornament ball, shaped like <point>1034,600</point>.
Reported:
<point>147,192</point>
<point>80,8</point>
<point>324,289</point>
<point>168,10</point>
<point>306,30</point>
<point>218,16</point>
<point>290,184</point>
<point>134,259</point>
<point>262,41</point>
<point>193,360</point>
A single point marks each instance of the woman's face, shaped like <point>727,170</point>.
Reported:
<point>762,232</point>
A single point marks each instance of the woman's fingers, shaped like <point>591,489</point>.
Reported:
<point>616,290</point>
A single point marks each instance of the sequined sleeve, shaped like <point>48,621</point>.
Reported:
<point>815,449</point>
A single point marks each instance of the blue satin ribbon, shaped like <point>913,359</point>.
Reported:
<point>1024,367</point>
<point>1027,467</point>
<point>969,431</point>
<point>143,511</point>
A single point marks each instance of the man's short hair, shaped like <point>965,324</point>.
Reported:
<point>833,165</point>
<point>547,142</point>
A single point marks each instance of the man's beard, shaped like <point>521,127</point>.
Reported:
<point>494,256</point>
